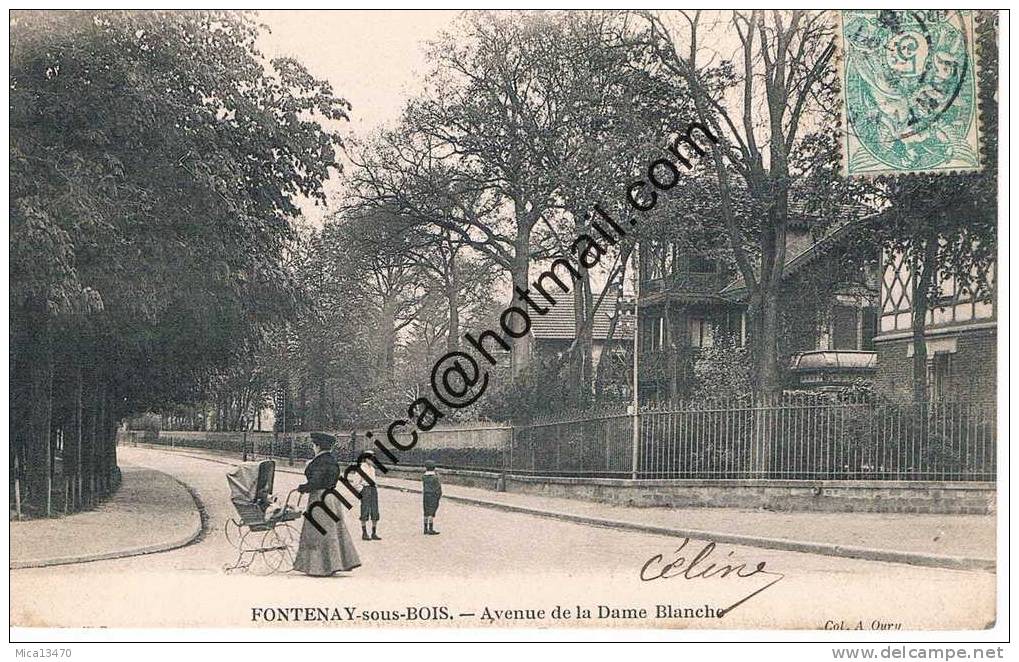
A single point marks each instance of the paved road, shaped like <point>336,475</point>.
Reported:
<point>487,560</point>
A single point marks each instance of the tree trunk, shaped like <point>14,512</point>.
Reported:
<point>520,275</point>
<point>603,366</point>
<point>453,305</point>
<point>604,360</point>
<point>581,358</point>
<point>90,464</point>
<point>112,472</point>
<point>320,410</point>
<point>671,348</point>
<point>35,377</point>
<point>101,441</point>
<point>772,243</point>
<point>770,384</point>
<point>587,337</point>
<point>72,459</point>
<point>923,269</point>
<point>387,338</point>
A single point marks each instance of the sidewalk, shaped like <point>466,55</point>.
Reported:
<point>948,541</point>
<point>151,512</point>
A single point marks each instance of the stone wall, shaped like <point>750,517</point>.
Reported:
<point>789,495</point>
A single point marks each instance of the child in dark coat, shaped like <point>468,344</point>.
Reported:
<point>431,493</point>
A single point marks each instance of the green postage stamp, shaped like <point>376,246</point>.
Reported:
<point>909,86</point>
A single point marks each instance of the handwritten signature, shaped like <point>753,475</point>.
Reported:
<point>698,567</point>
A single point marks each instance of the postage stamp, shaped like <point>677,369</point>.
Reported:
<point>909,92</point>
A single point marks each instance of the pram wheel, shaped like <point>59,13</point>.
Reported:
<point>232,531</point>
<point>278,549</point>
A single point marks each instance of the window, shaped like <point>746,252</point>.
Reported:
<point>701,333</point>
<point>653,334</point>
<point>869,328</point>
<point>732,327</point>
<point>939,373</point>
<point>843,328</point>
<point>850,328</point>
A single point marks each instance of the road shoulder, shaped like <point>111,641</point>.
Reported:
<point>150,512</point>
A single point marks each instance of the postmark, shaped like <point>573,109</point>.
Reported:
<point>909,92</point>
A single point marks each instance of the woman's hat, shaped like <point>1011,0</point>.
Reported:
<point>429,466</point>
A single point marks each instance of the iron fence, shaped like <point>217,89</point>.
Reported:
<point>574,446</point>
<point>803,437</point>
<point>806,438</point>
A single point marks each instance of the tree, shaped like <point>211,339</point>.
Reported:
<point>381,291</point>
<point>401,173</point>
<point>155,162</point>
<point>526,124</point>
<point>782,71</point>
<point>618,114</point>
<point>480,152</point>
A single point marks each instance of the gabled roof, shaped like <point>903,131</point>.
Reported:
<point>558,323</point>
<point>737,288</point>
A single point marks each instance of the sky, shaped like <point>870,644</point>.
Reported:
<point>374,59</point>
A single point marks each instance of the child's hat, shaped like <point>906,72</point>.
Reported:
<point>322,438</point>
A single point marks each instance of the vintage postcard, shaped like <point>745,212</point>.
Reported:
<point>347,324</point>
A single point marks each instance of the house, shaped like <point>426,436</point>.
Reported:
<point>681,310</point>
<point>829,311</point>
<point>960,335</point>
<point>555,331</point>
<point>689,302</point>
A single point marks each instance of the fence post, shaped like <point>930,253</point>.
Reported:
<point>635,456</point>
<point>558,445</point>
<point>290,461</point>
<point>508,460</point>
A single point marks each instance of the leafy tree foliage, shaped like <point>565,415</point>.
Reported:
<point>156,159</point>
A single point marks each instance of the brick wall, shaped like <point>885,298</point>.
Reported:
<point>973,373</point>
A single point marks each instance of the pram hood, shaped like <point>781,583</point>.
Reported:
<point>244,480</point>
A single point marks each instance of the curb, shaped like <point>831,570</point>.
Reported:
<point>783,544</point>
<point>194,536</point>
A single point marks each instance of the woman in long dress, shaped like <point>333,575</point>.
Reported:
<point>319,553</point>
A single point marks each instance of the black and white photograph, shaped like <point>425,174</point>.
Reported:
<point>589,324</point>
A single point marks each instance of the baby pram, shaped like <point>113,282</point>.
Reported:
<point>262,534</point>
